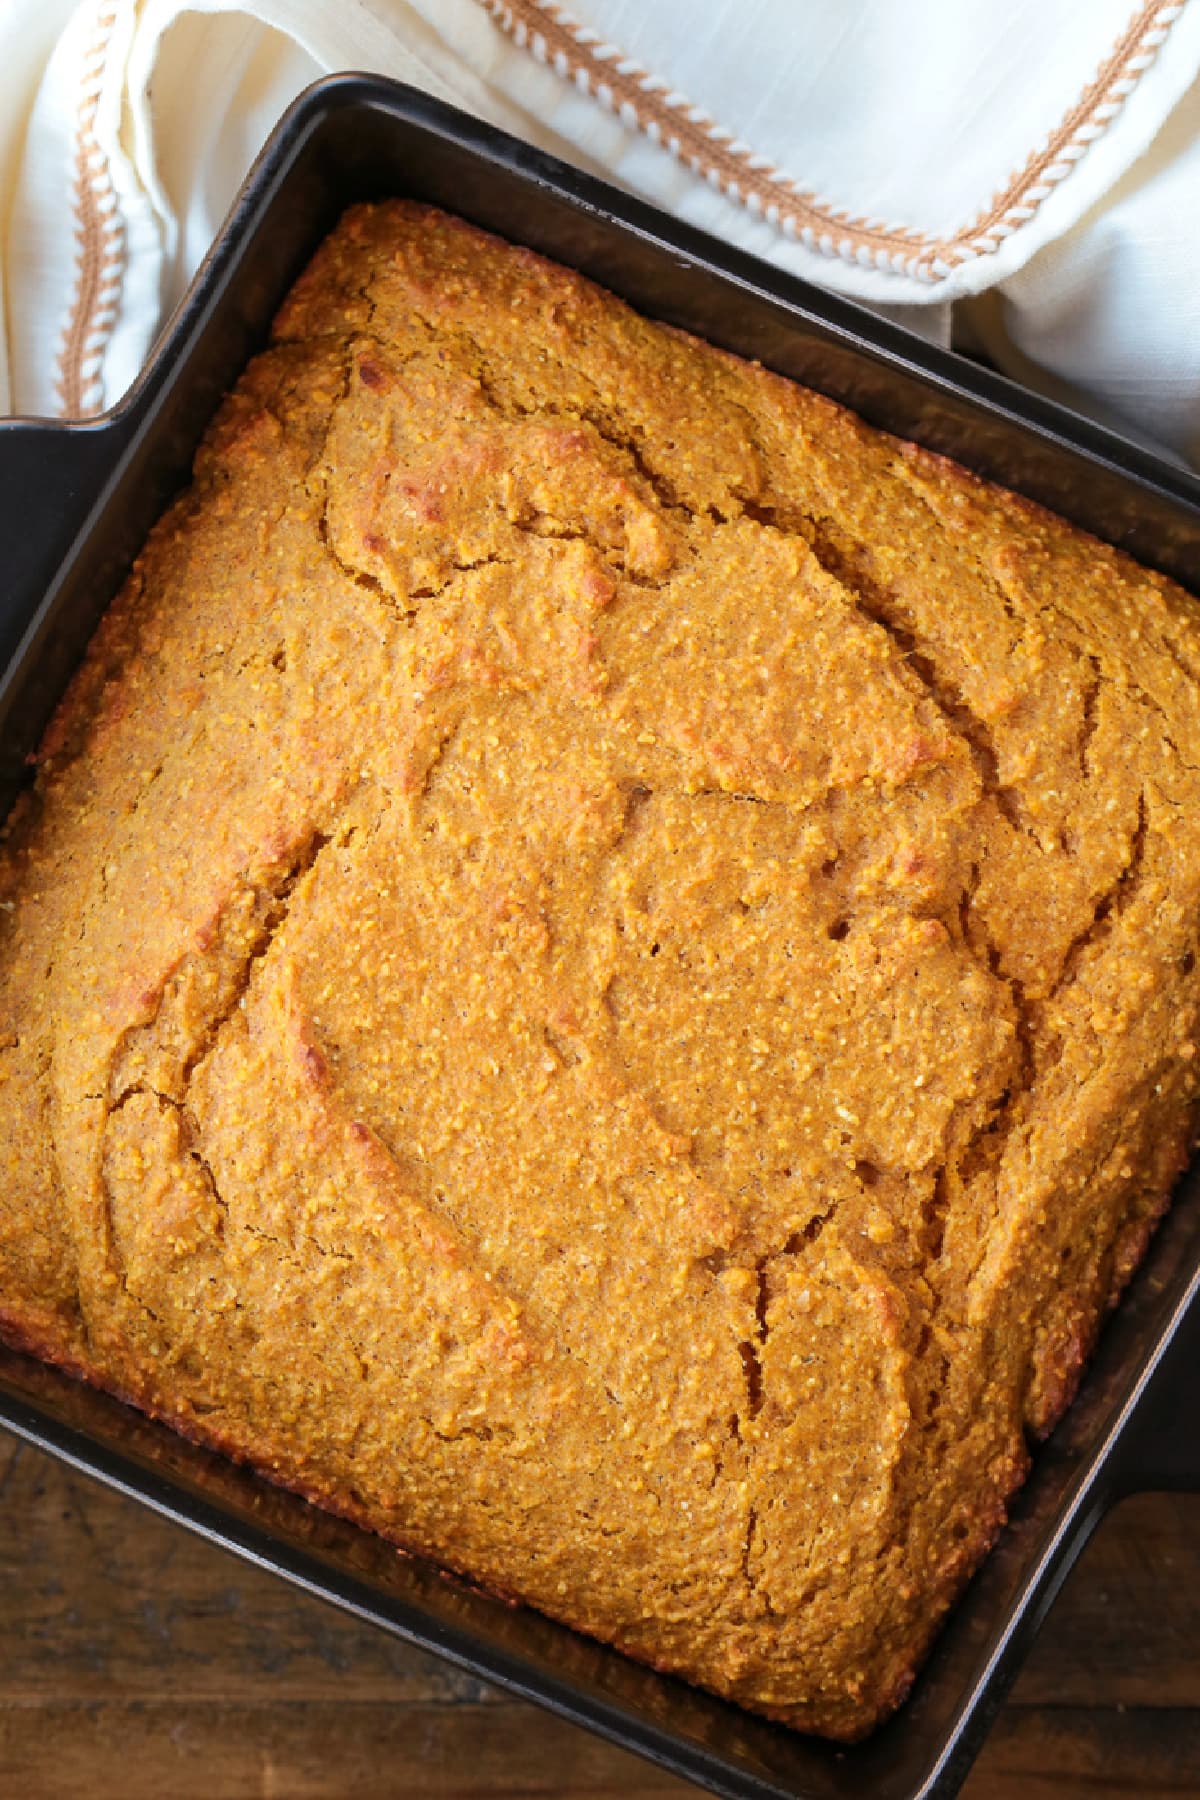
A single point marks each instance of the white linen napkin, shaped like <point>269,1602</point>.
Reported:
<point>915,154</point>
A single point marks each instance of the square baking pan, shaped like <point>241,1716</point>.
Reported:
<point>76,502</point>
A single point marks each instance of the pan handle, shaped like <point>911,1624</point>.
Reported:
<point>1160,1448</point>
<point>50,477</point>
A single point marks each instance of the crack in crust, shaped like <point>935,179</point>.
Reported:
<point>268,911</point>
<point>142,1065</point>
<point>1110,904</point>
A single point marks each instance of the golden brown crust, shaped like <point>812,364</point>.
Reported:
<point>601,972</point>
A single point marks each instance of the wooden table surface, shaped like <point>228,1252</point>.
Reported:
<point>140,1664</point>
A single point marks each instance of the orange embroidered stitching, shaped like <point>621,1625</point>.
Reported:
<point>577,53</point>
<point>99,244</point>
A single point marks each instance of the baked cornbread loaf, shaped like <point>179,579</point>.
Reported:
<point>599,972</point>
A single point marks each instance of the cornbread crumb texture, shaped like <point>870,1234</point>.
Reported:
<point>600,969</point>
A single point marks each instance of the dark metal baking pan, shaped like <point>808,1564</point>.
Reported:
<point>76,502</point>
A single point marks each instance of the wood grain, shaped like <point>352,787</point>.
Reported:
<point>140,1663</point>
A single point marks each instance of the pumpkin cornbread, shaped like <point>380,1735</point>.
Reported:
<point>599,971</point>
